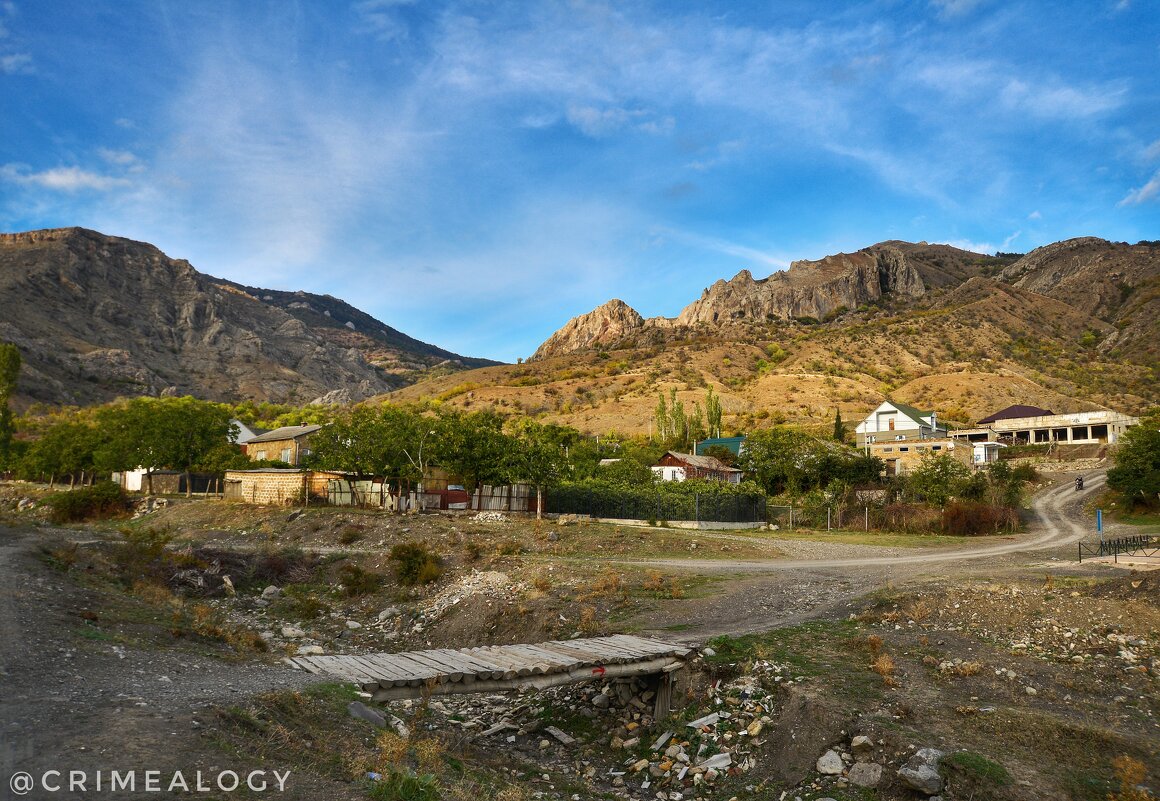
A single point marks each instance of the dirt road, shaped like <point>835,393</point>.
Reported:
<point>766,593</point>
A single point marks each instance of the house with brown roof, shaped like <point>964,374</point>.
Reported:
<point>287,444</point>
<point>675,466</point>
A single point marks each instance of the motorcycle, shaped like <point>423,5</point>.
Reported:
<point>1079,484</point>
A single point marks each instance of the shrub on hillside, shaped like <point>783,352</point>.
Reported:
<point>413,563</point>
<point>973,519</point>
<point>99,502</point>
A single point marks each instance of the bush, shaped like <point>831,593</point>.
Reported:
<point>972,519</point>
<point>101,501</point>
<point>413,564</point>
<point>357,582</point>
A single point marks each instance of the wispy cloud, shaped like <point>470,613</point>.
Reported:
<point>956,8</point>
<point>17,64</point>
<point>972,246</point>
<point>717,245</point>
<point>61,179</point>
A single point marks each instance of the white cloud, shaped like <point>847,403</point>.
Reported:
<point>62,179</point>
<point>1005,247</point>
<point>122,158</point>
<point>973,247</point>
<point>1055,100</point>
<point>1147,192</point>
<point>956,8</point>
<point>1035,215</point>
<point>17,64</point>
<point>717,245</point>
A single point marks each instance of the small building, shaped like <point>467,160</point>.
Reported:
<point>979,434</point>
<point>1079,428</point>
<point>902,456</point>
<point>675,466</point>
<point>985,453</point>
<point>278,486</point>
<point>734,444</point>
<point>896,422</point>
<point>288,444</point>
<point>1014,412</point>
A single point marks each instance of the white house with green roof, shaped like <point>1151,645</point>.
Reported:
<point>893,421</point>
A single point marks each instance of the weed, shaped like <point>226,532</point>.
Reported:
<point>102,501</point>
<point>542,583</point>
<point>351,534</point>
<point>509,547</point>
<point>298,601</point>
<point>62,558</point>
<point>1130,773</point>
<point>976,773</point>
<point>587,621</point>
<point>919,610</point>
<point>414,564</point>
<point>472,550</point>
<point>883,665</point>
<point>357,582</point>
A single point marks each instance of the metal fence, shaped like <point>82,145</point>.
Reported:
<point>1141,545</point>
<point>657,506</point>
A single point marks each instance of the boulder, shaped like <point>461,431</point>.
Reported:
<point>921,771</point>
<point>865,774</point>
<point>830,763</point>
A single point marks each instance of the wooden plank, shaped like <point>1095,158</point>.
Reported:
<point>467,662</point>
<point>501,656</point>
<point>590,652</point>
<point>395,670</point>
<point>417,668</point>
<point>387,674</point>
<point>536,661</point>
<point>654,646</point>
<point>555,659</point>
<point>583,657</point>
<point>448,672</point>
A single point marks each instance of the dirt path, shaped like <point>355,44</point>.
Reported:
<point>72,700</point>
<point>766,593</point>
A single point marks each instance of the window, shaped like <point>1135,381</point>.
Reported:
<point>891,423</point>
<point>260,456</point>
<point>936,447</point>
<point>903,450</point>
<point>920,448</point>
<point>888,450</point>
<point>285,454</point>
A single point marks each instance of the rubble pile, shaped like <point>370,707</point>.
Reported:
<point>605,734</point>
<point>490,517</point>
<point>477,585</point>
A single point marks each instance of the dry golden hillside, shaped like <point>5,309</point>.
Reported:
<point>964,351</point>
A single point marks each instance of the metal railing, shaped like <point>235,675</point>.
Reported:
<point>1145,545</point>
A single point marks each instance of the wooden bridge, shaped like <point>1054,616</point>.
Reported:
<point>491,668</point>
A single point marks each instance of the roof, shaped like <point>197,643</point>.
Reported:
<point>1012,412</point>
<point>703,462</point>
<point>285,432</point>
<point>731,443</point>
<point>914,414</point>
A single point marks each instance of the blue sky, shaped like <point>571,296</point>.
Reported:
<point>476,173</point>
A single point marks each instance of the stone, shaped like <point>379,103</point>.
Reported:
<point>708,652</point>
<point>310,650</point>
<point>865,774</point>
<point>272,592</point>
<point>353,624</point>
<point>921,771</point>
<point>292,632</point>
<point>358,709</point>
<point>862,746</point>
<point>830,763</point>
<point>601,701</point>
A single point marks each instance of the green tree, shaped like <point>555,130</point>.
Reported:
<point>152,433</point>
<point>538,456</point>
<point>713,413</point>
<point>661,419</point>
<point>1137,471</point>
<point>678,421</point>
<point>65,447</point>
<point>473,446</point>
<point>9,373</point>
<point>938,478</point>
<point>839,429</point>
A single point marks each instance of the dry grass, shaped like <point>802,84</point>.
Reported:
<point>919,610</point>
<point>883,665</point>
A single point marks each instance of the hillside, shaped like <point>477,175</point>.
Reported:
<point>1070,326</point>
<point>97,317</point>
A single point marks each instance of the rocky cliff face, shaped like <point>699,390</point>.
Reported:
<point>97,317</point>
<point>808,289</point>
<point>605,325</point>
<point>1117,282</point>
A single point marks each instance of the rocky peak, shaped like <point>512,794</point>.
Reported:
<point>604,325</point>
<point>808,288</point>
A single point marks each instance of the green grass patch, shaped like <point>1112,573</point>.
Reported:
<point>886,539</point>
<point>977,769</point>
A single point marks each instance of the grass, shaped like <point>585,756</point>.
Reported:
<point>886,539</point>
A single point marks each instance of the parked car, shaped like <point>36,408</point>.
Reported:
<point>456,496</point>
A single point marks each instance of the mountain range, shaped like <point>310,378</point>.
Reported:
<point>98,317</point>
<point>1070,326</point>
